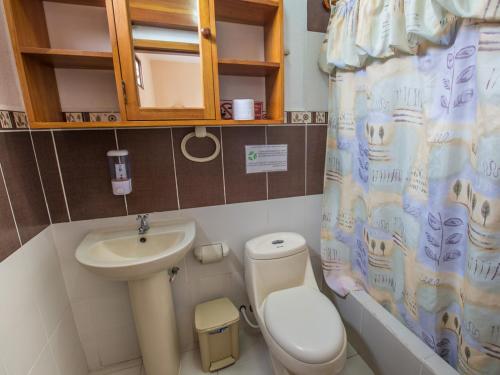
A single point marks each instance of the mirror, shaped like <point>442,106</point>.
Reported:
<point>166,48</point>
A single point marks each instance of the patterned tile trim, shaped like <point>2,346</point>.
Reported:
<point>13,120</point>
<point>19,120</point>
<point>306,117</point>
<point>92,116</point>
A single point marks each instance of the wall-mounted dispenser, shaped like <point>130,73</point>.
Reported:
<point>119,168</point>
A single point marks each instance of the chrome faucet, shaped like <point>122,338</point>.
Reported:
<point>144,225</point>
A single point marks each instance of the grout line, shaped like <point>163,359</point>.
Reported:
<point>175,170</point>
<point>10,204</point>
<point>267,173</point>
<point>40,177</point>
<point>60,175</point>
<point>124,195</point>
<point>222,161</point>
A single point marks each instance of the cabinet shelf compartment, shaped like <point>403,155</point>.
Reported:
<point>252,12</point>
<point>235,67</point>
<point>70,59</point>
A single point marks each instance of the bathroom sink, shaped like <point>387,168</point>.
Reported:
<point>124,254</point>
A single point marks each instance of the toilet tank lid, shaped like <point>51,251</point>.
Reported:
<point>275,245</point>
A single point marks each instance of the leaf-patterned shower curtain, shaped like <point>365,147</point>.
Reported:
<point>411,207</point>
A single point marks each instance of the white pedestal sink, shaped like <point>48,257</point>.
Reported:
<point>143,260</point>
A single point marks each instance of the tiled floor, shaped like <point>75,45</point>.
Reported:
<point>254,360</point>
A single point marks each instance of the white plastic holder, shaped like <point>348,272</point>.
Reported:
<point>211,253</point>
<point>200,132</point>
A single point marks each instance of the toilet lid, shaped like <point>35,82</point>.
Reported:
<point>305,324</point>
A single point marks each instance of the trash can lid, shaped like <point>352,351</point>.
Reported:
<point>215,314</point>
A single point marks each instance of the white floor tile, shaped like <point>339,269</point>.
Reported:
<point>351,352</point>
<point>129,371</point>
<point>254,359</point>
<point>191,364</point>
<point>356,366</point>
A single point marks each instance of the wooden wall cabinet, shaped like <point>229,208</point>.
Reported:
<point>37,60</point>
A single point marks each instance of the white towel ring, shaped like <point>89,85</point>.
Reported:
<point>200,132</point>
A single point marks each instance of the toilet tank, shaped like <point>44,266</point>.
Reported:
<point>274,262</point>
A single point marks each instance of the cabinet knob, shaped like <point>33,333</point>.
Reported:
<point>206,32</point>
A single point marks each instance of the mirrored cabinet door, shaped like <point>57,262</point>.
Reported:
<point>165,58</point>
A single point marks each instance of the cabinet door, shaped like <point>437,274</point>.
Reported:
<point>165,58</point>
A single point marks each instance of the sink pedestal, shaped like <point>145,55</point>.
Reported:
<point>154,315</point>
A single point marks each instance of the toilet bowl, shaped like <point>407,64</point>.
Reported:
<point>301,327</point>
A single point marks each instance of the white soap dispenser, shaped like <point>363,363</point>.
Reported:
<point>119,168</point>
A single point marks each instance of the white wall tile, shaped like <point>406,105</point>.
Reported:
<point>45,365</point>
<point>313,215</point>
<point>435,365</point>
<point>22,332</point>
<point>186,331</point>
<point>287,215</point>
<point>36,305</point>
<point>386,354</point>
<point>349,309</point>
<point>66,347</point>
<point>415,345</point>
<point>47,280</point>
<point>116,344</point>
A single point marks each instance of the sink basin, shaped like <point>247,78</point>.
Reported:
<point>142,261</point>
<point>123,254</point>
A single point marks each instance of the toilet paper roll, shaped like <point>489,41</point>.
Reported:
<point>243,109</point>
<point>211,253</point>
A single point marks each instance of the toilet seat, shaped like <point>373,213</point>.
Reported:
<point>305,324</point>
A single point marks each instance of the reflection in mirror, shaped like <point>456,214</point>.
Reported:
<point>168,64</point>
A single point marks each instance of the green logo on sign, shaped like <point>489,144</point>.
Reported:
<point>252,155</point>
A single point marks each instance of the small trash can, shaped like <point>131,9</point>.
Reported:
<point>217,324</point>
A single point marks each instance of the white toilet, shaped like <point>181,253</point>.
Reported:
<point>302,328</point>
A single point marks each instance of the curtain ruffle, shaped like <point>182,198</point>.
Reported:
<point>361,31</point>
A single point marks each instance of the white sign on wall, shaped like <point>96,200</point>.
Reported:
<point>266,158</point>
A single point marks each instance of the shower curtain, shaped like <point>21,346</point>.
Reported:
<point>411,207</point>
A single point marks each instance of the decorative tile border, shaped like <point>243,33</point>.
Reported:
<point>92,116</point>
<point>19,120</point>
<point>306,117</point>
<point>13,120</point>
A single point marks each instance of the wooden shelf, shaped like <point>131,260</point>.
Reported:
<point>160,45</point>
<point>94,3</point>
<point>232,67</point>
<point>252,12</point>
<point>70,59</point>
<point>134,124</point>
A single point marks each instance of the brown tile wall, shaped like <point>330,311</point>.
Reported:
<point>23,211</point>
<point>317,16</point>
<point>163,179</point>
<point>71,180</point>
